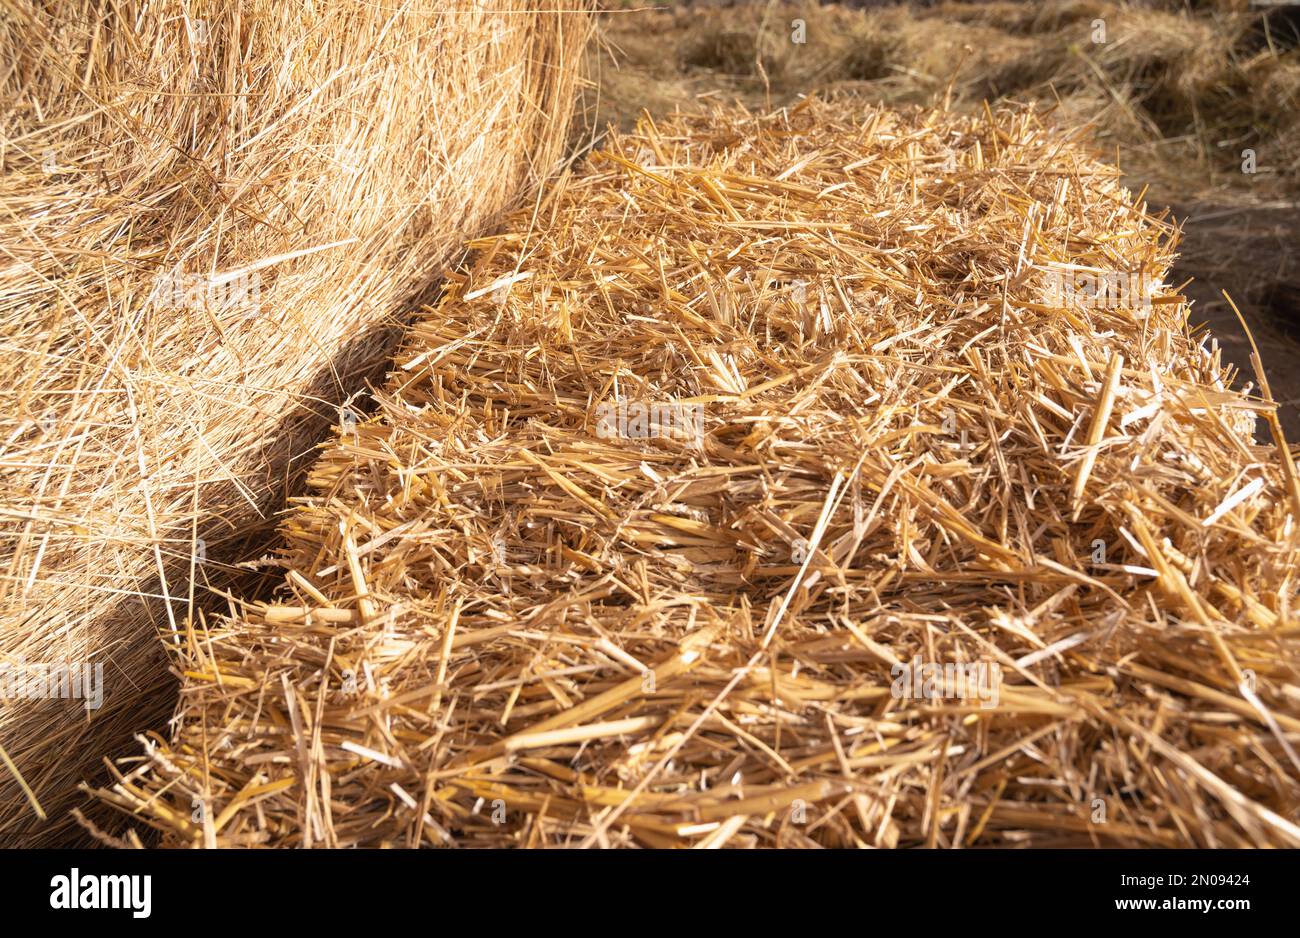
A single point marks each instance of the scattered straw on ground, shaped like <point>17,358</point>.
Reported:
<point>511,619</point>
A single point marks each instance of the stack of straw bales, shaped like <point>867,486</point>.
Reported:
<point>921,542</point>
<point>213,215</point>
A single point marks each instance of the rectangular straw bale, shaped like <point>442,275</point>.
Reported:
<point>946,543</point>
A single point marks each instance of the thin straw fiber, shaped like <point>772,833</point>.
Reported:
<point>212,216</point>
<point>836,477</point>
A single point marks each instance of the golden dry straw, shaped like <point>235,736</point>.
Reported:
<point>212,216</point>
<point>1176,87</point>
<point>835,477</point>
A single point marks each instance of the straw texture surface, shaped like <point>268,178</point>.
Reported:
<point>837,477</point>
<point>213,217</point>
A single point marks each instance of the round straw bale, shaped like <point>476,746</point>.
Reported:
<point>213,216</point>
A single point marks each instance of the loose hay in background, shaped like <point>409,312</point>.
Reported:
<point>213,215</point>
<point>506,621</point>
<point>1184,97</point>
<point>1182,90</point>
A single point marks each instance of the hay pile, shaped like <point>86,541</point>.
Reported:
<point>1172,85</point>
<point>212,216</point>
<point>520,611</point>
